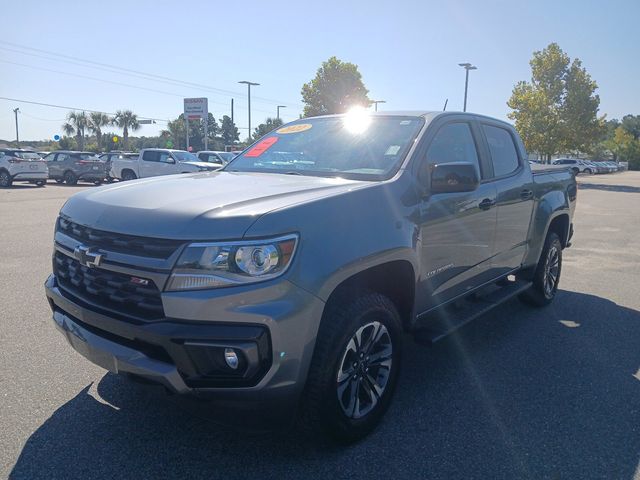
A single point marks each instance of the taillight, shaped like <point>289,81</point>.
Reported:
<point>83,162</point>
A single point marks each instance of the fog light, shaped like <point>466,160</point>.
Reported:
<point>231,357</point>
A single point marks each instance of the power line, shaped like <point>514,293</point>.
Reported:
<point>74,108</point>
<point>138,73</point>
<point>109,81</point>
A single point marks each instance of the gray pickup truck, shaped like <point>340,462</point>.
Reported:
<point>288,279</point>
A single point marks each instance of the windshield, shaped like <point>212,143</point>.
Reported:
<point>185,157</point>
<point>88,156</point>
<point>227,156</point>
<point>356,146</point>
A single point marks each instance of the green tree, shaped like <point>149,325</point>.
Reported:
<point>625,147</point>
<point>97,121</point>
<point>176,134</point>
<point>266,127</point>
<point>631,123</point>
<point>336,88</point>
<point>126,120</point>
<point>67,143</point>
<point>557,110</point>
<point>229,133</point>
<point>77,124</point>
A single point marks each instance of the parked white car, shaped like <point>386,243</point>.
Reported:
<point>22,165</point>
<point>576,165</point>
<point>157,161</point>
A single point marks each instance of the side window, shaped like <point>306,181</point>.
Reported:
<point>151,156</point>
<point>453,143</point>
<point>504,155</point>
<point>164,157</point>
<point>61,157</point>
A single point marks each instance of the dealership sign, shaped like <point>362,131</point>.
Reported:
<point>195,108</point>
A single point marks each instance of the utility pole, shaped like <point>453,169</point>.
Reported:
<point>249,84</point>
<point>278,111</point>
<point>376,102</point>
<point>467,67</point>
<point>15,111</point>
<point>232,110</point>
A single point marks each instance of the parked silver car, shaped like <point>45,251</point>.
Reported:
<point>576,165</point>
<point>21,165</point>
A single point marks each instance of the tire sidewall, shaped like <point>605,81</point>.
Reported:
<point>338,424</point>
<point>5,179</point>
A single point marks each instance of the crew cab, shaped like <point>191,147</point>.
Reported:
<point>153,162</point>
<point>21,165</point>
<point>287,280</point>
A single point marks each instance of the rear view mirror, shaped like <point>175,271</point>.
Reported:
<point>454,177</point>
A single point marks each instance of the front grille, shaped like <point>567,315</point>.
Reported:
<point>110,290</point>
<point>117,242</point>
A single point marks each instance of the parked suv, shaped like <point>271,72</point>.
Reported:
<point>287,280</point>
<point>576,165</point>
<point>71,166</point>
<point>21,165</point>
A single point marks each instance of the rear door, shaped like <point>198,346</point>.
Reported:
<point>513,180</point>
<point>456,229</point>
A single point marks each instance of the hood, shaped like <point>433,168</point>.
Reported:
<point>202,206</point>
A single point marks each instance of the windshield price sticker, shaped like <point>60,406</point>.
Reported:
<point>300,127</point>
<point>261,147</point>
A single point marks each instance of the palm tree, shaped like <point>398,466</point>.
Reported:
<point>126,119</point>
<point>77,123</point>
<point>97,120</point>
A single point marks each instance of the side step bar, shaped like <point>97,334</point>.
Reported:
<point>442,322</point>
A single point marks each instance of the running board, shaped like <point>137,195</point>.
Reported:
<point>443,322</point>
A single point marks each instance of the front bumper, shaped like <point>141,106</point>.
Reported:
<point>161,351</point>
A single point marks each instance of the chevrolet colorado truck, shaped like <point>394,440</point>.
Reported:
<point>288,279</point>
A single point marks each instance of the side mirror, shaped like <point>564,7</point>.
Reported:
<point>454,177</point>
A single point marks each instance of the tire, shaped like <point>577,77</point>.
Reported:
<point>545,282</point>
<point>128,175</point>
<point>341,370</point>
<point>576,171</point>
<point>60,181</point>
<point>588,171</point>
<point>70,178</point>
<point>40,183</point>
<point>97,182</point>
<point>5,179</point>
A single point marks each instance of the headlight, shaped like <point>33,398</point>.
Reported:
<point>213,265</point>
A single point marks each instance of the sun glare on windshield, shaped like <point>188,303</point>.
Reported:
<point>357,120</point>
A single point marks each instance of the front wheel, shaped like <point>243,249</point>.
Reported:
<point>40,183</point>
<point>547,274</point>
<point>588,171</point>
<point>70,178</point>
<point>354,368</point>
<point>128,175</point>
<point>5,179</point>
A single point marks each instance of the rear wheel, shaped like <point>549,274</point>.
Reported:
<point>5,179</point>
<point>354,368</point>
<point>588,171</point>
<point>70,178</point>
<point>97,182</point>
<point>575,170</point>
<point>40,183</point>
<point>128,175</point>
<point>547,274</point>
<point>60,181</point>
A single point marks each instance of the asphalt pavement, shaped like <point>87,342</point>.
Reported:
<point>519,393</point>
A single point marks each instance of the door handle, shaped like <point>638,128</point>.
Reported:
<point>526,194</point>
<point>486,204</point>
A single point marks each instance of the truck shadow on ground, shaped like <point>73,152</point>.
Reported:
<point>609,188</point>
<point>519,393</point>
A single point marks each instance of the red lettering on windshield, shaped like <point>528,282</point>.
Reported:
<point>261,147</point>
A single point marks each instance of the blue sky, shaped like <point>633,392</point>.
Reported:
<point>407,52</point>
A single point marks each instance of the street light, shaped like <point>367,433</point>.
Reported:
<point>278,110</point>
<point>15,111</point>
<point>376,102</point>
<point>249,99</point>
<point>467,67</point>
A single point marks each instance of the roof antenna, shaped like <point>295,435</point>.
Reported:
<point>445,105</point>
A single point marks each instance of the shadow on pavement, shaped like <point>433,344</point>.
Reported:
<point>520,393</point>
<point>609,188</point>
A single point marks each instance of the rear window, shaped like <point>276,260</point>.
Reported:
<point>504,155</point>
<point>28,155</point>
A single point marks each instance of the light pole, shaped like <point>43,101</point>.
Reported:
<point>249,99</point>
<point>376,102</point>
<point>278,111</point>
<point>467,67</point>
<point>15,111</point>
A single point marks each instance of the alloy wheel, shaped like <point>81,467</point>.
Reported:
<point>551,271</point>
<point>364,370</point>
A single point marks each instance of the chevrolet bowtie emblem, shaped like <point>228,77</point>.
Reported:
<point>86,257</point>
